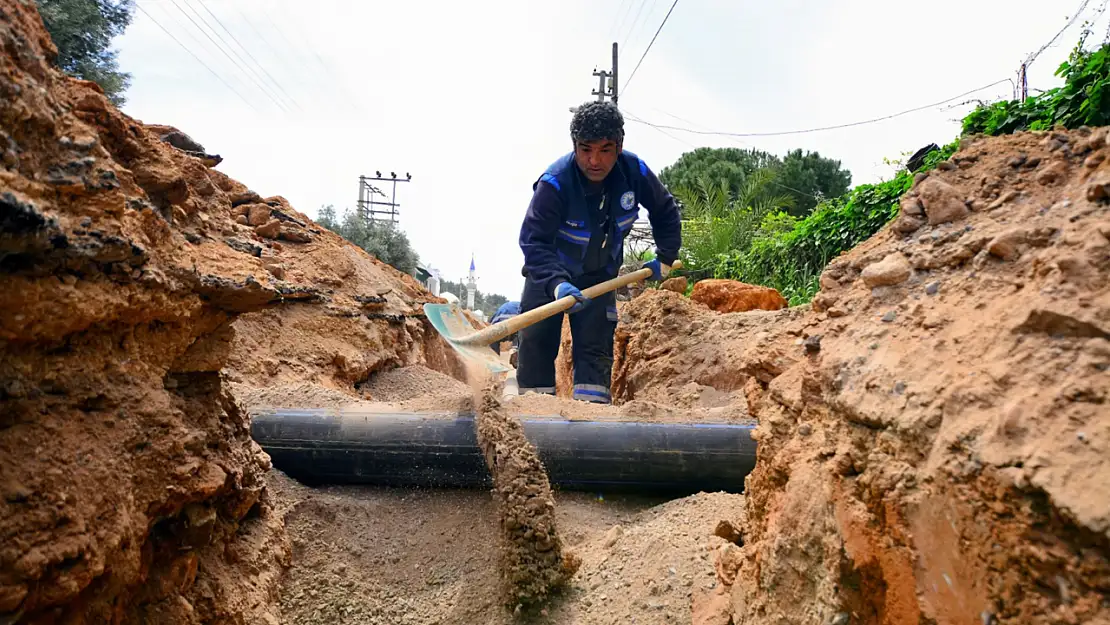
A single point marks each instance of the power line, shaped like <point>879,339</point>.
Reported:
<point>651,43</point>
<point>614,29</point>
<point>183,47</point>
<point>343,96</point>
<point>774,182</point>
<point>242,65</point>
<point>258,33</point>
<point>616,14</point>
<point>233,62</point>
<point>635,21</point>
<point>634,118</point>
<point>1071,22</point>
<point>260,66</point>
<point>837,127</point>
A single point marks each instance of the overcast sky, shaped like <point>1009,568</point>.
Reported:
<point>472,97</point>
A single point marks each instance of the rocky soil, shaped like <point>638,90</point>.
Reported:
<point>131,490</point>
<point>138,281</point>
<point>934,434</point>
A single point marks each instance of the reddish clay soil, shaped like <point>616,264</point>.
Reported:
<point>934,440</point>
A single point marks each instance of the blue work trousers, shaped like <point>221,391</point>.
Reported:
<point>591,331</point>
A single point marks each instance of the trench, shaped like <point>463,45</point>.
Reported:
<point>392,520</point>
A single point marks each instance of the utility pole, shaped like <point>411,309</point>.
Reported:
<point>607,90</point>
<point>367,205</point>
<point>613,82</point>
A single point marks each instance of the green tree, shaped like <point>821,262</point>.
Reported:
<point>810,178</point>
<point>732,165</point>
<point>384,240</point>
<point>83,31</point>
<point>807,177</point>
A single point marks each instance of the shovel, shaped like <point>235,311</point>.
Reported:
<point>473,345</point>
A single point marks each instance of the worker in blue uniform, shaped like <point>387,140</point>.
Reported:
<point>572,237</point>
<point>504,312</point>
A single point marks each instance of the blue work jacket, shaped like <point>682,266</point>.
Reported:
<point>559,227</point>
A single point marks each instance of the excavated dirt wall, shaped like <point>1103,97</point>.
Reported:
<point>934,433</point>
<point>137,281</point>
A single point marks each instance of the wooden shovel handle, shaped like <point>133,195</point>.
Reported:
<point>498,331</point>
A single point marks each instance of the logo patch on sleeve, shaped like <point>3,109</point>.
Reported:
<point>628,200</point>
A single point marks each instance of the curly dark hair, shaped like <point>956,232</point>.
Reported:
<point>597,121</point>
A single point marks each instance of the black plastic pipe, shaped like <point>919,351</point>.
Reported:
<point>440,450</point>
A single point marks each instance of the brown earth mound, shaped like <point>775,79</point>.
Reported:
<point>345,316</point>
<point>934,437</point>
<point>132,491</point>
<point>137,279</point>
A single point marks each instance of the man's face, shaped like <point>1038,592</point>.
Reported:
<point>596,158</point>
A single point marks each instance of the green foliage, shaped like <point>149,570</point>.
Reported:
<point>1082,101</point>
<point>384,240</point>
<point>810,178</point>
<point>718,222</point>
<point>715,164</point>
<point>83,31</point>
<point>792,260</point>
<point>805,177</point>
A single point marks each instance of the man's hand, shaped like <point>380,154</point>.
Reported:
<point>658,269</point>
<point>564,289</point>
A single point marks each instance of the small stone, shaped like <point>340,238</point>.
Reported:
<point>911,205</point>
<point>946,166</point>
<point>1004,199</point>
<point>813,344</point>
<point>805,429</point>
<point>1082,436</point>
<point>1054,173</point>
<point>1094,160</point>
<point>899,387</point>
<point>932,288</point>
<point>675,285</point>
<point>1097,191</point>
<point>277,270</point>
<point>613,535</point>
<point>270,230</point>
<point>891,270</point>
<point>258,214</point>
<point>942,202</point>
<point>1007,245</point>
<point>907,224</point>
<point>843,618</point>
<point>835,312</point>
<point>294,234</point>
<point>889,316</point>
<point>1017,161</point>
<point>1033,162</point>
<point>920,177</point>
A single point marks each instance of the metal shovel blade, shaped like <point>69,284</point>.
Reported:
<point>450,322</point>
